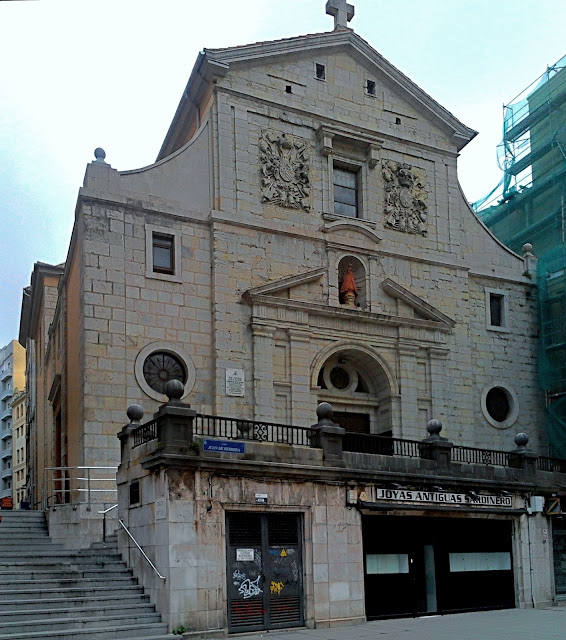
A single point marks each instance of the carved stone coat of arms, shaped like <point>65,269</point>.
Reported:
<point>405,197</point>
<point>284,166</point>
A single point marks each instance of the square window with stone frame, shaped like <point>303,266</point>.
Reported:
<point>346,192</point>
<point>497,315</point>
<point>163,246</point>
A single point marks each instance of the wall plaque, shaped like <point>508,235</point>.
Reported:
<point>244,555</point>
<point>235,382</point>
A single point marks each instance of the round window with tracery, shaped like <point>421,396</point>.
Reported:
<point>159,367</point>
<point>339,378</point>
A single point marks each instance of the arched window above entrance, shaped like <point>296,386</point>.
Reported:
<point>359,390</point>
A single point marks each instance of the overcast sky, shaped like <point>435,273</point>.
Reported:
<point>78,74</point>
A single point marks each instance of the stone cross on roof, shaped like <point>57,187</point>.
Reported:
<point>342,12</point>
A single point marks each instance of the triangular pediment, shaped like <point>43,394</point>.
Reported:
<point>277,287</point>
<point>217,63</point>
<point>420,307</point>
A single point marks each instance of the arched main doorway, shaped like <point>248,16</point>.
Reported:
<point>359,388</point>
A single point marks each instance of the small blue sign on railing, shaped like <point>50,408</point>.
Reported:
<point>224,445</point>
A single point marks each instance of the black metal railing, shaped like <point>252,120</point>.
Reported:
<point>471,455</point>
<point>545,463</point>
<point>381,445</point>
<point>259,431</point>
<point>235,429</point>
<point>145,433</point>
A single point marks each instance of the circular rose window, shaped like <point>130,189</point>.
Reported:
<point>160,367</point>
<point>159,362</point>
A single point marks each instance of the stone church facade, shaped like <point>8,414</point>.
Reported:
<point>301,238</point>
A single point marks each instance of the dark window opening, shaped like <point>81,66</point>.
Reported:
<point>320,380</point>
<point>163,253</point>
<point>320,71</point>
<point>370,87</point>
<point>497,404</point>
<point>397,120</point>
<point>496,310</point>
<point>134,492</point>
<point>345,192</point>
<point>289,89</point>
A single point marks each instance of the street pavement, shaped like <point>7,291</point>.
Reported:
<point>508,624</point>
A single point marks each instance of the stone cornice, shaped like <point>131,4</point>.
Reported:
<point>256,300</point>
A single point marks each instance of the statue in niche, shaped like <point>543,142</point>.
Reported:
<point>348,288</point>
<point>405,197</point>
<point>284,166</point>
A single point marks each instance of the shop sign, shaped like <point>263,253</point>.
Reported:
<point>443,497</point>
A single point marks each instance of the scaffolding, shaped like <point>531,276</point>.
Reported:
<point>529,205</point>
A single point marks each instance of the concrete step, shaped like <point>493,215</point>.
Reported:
<point>134,609</point>
<point>77,622</point>
<point>37,564</point>
<point>60,573</point>
<point>6,554</point>
<point>25,542</point>
<point>54,603</point>
<point>67,582</point>
<point>11,594</point>
<point>129,631</point>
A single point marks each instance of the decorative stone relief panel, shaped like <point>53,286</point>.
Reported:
<point>284,164</point>
<point>405,197</point>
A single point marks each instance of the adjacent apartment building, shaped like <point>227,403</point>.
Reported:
<point>12,380</point>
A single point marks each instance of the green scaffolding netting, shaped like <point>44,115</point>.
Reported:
<point>529,205</point>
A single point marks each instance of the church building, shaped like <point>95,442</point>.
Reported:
<point>301,239</point>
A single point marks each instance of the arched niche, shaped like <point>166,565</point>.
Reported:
<point>351,269</point>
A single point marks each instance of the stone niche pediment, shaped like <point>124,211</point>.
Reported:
<point>409,302</point>
<point>292,300</point>
<point>350,234</point>
<point>305,287</point>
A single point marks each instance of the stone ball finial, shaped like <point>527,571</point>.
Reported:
<point>434,427</point>
<point>174,390</point>
<point>134,412</point>
<point>324,411</point>
<point>99,154</point>
<point>527,248</point>
<point>521,439</point>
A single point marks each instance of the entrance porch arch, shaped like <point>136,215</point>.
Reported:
<point>359,384</point>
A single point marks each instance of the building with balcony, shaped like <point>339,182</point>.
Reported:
<point>301,239</point>
<point>12,378</point>
<point>19,448</point>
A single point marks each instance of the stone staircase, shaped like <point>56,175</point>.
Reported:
<point>48,592</point>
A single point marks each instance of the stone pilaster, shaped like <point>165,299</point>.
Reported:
<point>301,404</point>
<point>409,390</point>
<point>264,396</point>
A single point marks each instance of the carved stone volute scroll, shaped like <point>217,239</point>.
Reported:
<point>405,197</point>
<point>284,166</point>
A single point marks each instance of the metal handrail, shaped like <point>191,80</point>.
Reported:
<point>107,510</point>
<point>142,551</point>
<point>103,514</point>
<point>61,486</point>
